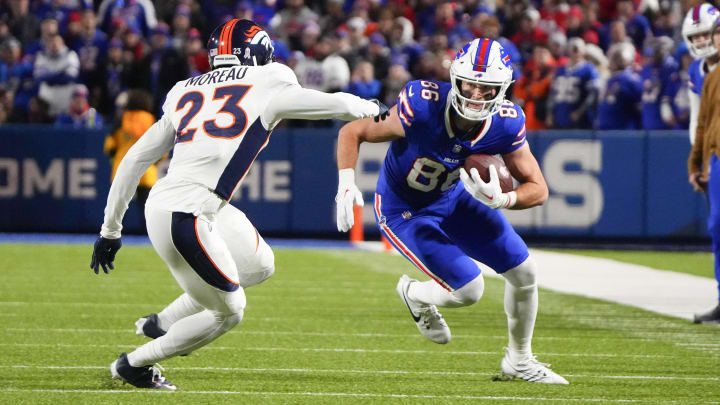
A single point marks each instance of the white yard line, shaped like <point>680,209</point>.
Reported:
<point>357,350</point>
<point>371,372</point>
<point>347,394</point>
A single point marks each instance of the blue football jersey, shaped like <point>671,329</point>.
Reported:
<point>425,164</point>
<point>696,73</point>
<point>619,106</point>
<point>570,88</point>
<point>657,86</point>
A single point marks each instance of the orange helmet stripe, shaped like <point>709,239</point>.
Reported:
<point>228,36</point>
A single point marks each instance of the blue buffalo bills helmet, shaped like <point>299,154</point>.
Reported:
<point>239,42</point>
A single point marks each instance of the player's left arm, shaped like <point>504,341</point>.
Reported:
<point>524,168</point>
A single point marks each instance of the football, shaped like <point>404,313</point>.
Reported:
<point>482,162</point>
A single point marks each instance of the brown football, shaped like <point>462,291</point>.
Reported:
<point>482,162</point>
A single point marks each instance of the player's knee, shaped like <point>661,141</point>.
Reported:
<point>263,270</point>
<point>522,275</point>
<point>234,309</point>
<point>470,293</point>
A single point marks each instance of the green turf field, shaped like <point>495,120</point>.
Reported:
<point>328,328</point>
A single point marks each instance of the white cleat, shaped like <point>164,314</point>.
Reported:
<point>427,318</point>
<point>529,369</point>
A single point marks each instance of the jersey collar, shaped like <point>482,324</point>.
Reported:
<point>449,129</point>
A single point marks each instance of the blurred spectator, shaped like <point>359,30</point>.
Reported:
<point>659,74</point>
<point>138,14</point>
<point>594,54</point>
<point>334,15</point>
<point>396,79</point>
<point>18,78</point>
<point>48,30</point>
<point>56,69</point>
<point>378,54</point>
<point>325,70</point>
<point>159,70</point>
<point>666,21</point>
<point>356,41</point>
<point>135,46</point>
<point>574,91</point>
<point>135,120</point>
<point>91,48</point>
<point>115,73</point>
<point>591,29</point>
<point>289,22</point>
<point>22,24</point>
<point>636,25</point>
<point>196,53</point>
<point>39,111</point>
<point>180,26</point>
<point>72,27</point>
<point>362,82</point>
<point>309,36</point>
<point>619,106</point>
<point>532,90</point>
<point>79,114</point>
<point>679,96</point>
<point>403,47</point>
<point>529,33</point>
<point>557,44</point>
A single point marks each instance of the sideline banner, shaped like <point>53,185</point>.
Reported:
<point>602,184</point>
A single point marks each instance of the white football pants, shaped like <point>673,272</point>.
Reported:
<point>228,252</point>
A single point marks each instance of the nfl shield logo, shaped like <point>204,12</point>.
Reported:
<point>457,148</point>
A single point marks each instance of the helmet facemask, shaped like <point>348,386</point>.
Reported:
<point>480,75</point>
<point>491,97</point>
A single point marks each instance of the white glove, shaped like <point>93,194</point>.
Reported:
<point>347,194</point>
<point>488,193</point>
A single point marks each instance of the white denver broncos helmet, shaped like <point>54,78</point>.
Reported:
<point>481,61</point>
<point>700,20</point>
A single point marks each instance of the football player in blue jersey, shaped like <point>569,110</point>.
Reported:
<point>443,225</point>
<point>619,106</point>
<point>696,28</point>
<point>574,91</point>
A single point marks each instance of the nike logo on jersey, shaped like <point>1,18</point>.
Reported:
<point>217,76</point>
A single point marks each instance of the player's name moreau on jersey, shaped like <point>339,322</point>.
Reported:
<point>217,76</point>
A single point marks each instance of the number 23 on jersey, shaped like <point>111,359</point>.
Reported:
<point>232,95</point>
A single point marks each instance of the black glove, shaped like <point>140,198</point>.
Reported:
<point>104,254</point>
<point>384,110</point>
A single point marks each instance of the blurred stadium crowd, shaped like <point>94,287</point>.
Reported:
<point>607,64</point>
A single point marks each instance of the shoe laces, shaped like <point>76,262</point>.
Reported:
<point>156,373</point>
<point>430,313</point>
<point>532,361</point>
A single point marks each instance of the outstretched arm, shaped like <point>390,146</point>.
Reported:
<point>301,103</point>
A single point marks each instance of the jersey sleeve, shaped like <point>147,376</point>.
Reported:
<point>416,103</point>
<point>156,142</point>
<point>514,125</point>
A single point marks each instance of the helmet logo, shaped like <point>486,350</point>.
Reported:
<point>250,34</point>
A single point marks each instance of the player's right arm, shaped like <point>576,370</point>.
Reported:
<point>694,110</point>
<point>350,137</point>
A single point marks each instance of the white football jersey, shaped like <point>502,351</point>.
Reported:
<point>216,124</point>
<point>219,131</point>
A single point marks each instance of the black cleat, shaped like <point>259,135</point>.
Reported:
<point>140,377</point>
<point>710,317</point>
<point>149,326</point>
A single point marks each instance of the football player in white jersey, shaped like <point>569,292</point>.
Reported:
<point>216,124</point>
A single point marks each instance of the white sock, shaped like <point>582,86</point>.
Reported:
<point>432,293</point>
<point>521,304</point>
<point>187,334</point>
<point>182,307</point>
